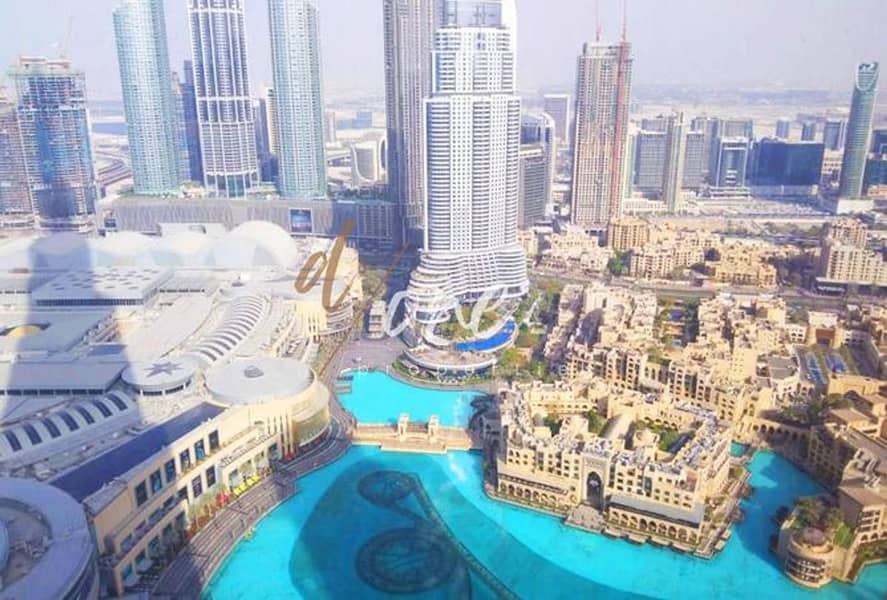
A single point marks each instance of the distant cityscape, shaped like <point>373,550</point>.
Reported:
<point>457,340</point>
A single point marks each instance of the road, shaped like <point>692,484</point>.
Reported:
<point>793,296</point>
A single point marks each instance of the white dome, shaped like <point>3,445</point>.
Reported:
<point>274,247</point>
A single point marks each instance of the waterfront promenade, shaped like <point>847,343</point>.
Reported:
<point>195,565</point>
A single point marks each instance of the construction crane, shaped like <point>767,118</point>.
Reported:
<point>64,45</point>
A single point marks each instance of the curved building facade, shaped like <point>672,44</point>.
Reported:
<point>146,80</point>
<point>283,395</point>
<point>472,174</point>
<point>859,130</point>
<point>47,550</point>
<point>298,98</point>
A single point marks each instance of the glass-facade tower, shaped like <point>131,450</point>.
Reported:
<point>859,130</point>
<point>222,96</point>
<point>147,84</point>
<point>298,98</point>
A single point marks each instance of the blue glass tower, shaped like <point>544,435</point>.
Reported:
<point>298,106</point>
<point>859,130</point>
<point>146,80</point>
<point>54,127</point>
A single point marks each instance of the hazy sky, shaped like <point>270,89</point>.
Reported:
<point>741,43</point>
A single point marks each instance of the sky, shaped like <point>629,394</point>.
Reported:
<point>810,44</point>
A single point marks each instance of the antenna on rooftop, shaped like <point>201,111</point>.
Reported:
<point>624,20</point>
<point>597,20</point>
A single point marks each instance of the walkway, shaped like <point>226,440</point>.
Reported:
<point>195,565</point>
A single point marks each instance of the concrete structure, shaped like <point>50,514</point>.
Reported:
<point>409,39</point>
<point>627,233</point>
<point>859,129</point>
<point>16,210</point>
<point>730,162</point>
<point>222,93</point>
<point>471,245</point>
<point>603,93</point>
<point>369,160</point>
<point>147,84</point>
<point>782,168</point>
<point>808,131</point>
<point>54,128</point>
<point>46,547</point>
<point>558,107</point>
<point>540,128</point>
<point>695,165</point>
<point>298,107</point>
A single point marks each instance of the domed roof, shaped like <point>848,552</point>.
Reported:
<point>257,380</point>
<point>271,241</point>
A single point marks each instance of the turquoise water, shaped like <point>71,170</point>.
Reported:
<point>378,398</point>
<point>737,449</point>
<point>366,524</point>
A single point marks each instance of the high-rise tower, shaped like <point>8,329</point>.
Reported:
<point>603,92</point>
<point>673,175</point>
<point>473,132</point>
<point>298,99</point>
<point>859,130</point>
<point>409,38</point>
<point>222,94</point>
<point>54,126</point>
<point>557,106</point>
<point>147,84</point>
<point>15,197</point>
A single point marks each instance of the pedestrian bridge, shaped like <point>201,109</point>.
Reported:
<point>410,436</point>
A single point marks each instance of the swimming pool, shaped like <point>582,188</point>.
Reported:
<point>493,342</point>
<point>376,525</point>
<point>379,398</point>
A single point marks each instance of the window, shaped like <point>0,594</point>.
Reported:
<point>106,412</point>
<point>213,441</point>
<point>121,406</point>
<point>197,486</point>
<point>13,441</point>
<point>51,428</point>
<point>32,434</point>
<point>185,460</point>
<point>199,451</point>
<point>141,494</point>
<point>69,421</point>
<point>170,470</point>
<point>183,494</point>
<point>85,414</point>
<point>210,477</point>
<point>156,482</point>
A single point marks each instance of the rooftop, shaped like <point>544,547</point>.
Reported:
<point>257,380</point>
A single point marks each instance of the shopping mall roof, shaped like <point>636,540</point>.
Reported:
<point>255,380</point>
<point>59,538</point>
<point>102,285</point>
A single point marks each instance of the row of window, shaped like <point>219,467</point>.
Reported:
<point>155,481</point>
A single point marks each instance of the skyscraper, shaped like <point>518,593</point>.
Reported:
<point>785,164</point>
<point>298,106</point>
<point>534,185</point>
<point>409,38</point>
<point>730,162</point>
<point>694,156</point>
<point>649,162</point>
<point>558,107</point>
<point>267,161</point>
<point>708,127</point>
<point>192,126</point>
<point>833,134</point>
<point>859,130</point>
<point>808,131</point>
<point>270,110</point>
<point>147,84</point>
<point>222,92</point>
<point>540,128</point>
<point>603,92</point>
<point>673,177</point>
<point>473,142</point>
<point>183,144</point>
<point>783,128</point>
<point>15,198</point>
<point>54,126</point>
<point>329,127</point>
